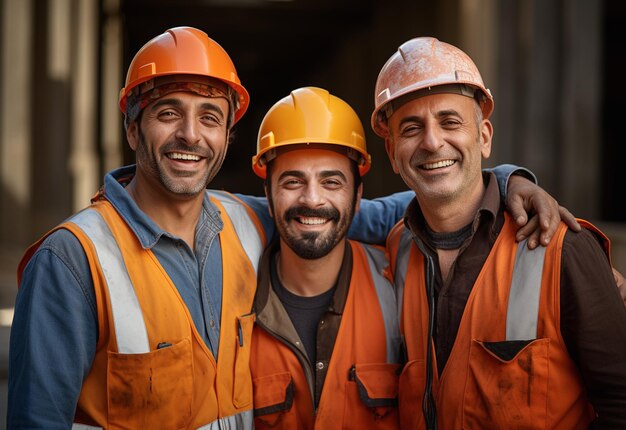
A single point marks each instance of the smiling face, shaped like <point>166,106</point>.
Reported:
<point>313,198</point>
<point>436,144</point>
<point>180,141</point>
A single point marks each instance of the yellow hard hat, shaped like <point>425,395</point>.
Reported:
<point>425,63</point>
<point>310,115</point>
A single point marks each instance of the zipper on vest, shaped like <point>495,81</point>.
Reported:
<point>429,408</point>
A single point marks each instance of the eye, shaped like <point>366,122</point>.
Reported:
<point>291,183</point>
<point>332,183</point>
<point>167,114</point>
<point>409,130</point>
<point>211,120</point>
<point>451,123</point>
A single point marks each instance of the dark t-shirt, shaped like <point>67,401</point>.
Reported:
<point>305,312</point>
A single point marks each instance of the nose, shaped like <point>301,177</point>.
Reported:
<point>432,139</point>
<point>311,196</point>
<point>188,131</point>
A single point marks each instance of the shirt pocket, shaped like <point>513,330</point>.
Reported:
<point>410,393</point>
<point>372,400</point>
<point>151,390</point>
<point>507,385</point>
<point>242,389</point>
<point>273,399</point>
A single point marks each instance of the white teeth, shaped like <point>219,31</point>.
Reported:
<point>438,164</point>
<point>312,221</point>
<point>180,156</point>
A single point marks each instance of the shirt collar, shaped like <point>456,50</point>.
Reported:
<point>487,212</point>
<point>147,231</point>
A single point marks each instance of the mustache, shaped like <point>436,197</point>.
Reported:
<point>180,146</point>
<point>301,211</point>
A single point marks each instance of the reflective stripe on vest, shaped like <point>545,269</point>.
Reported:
<point>243,420</point>
<point>244,227</point>
<point>402,262</point>
<point>377,263</point>
<point>523,306</point>
<point>130,328</point>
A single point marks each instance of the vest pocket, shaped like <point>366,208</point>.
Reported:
<point>376,388</point>
<point>273,398</point>
<point>151,390</point>
<point>507,385</point>
<point>242,390</point>
<point>411,390</point>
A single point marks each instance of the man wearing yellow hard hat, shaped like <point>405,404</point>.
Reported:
<point>326,349</point>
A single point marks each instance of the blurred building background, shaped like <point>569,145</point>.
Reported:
<point>555,67</point>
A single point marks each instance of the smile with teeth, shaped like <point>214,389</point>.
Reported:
<point>437,165</point>
<point>311,221</point>
<point>181,156</point>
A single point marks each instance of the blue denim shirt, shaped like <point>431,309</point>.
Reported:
<point>55,328</point>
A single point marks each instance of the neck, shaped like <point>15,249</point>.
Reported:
<point>177,215</point>
<point>449,215</point>
<point>309,277</point>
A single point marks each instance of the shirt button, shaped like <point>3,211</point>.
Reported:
<point>320,365</point>
<point>297,343</point>
<point>212,323</point>
<point>322,322</point>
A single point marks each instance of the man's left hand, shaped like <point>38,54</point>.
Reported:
<point>524,197</point>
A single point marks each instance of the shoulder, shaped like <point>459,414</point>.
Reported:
<point>59,264</point>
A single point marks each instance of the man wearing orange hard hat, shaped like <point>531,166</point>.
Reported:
<point>497,335</point>
<point>132,300</point>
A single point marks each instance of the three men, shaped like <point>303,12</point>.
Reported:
<point>135,312</point>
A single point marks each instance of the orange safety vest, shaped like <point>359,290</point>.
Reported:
<point>509,367</point>
<point>152,368</point>
<point>360,389</point>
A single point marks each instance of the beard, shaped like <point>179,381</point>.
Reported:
<point>171,180</point>
<point>314,245</point>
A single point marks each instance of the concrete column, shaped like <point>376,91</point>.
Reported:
<point>111,83</point>
<point>83,161</point>
<point>15,118</point>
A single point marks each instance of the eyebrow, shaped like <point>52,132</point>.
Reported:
<point>177,103</point>
<point>322,175</point>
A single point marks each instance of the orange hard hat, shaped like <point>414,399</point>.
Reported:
<point>421,64</point>
<point>185,51</point>
<point>311,115</point>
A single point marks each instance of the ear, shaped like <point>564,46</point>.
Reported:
<point>486,136</point>
<point>391,153</point>
<point>269,199</point>
<point>132,135</point>
<point>359,194</point>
